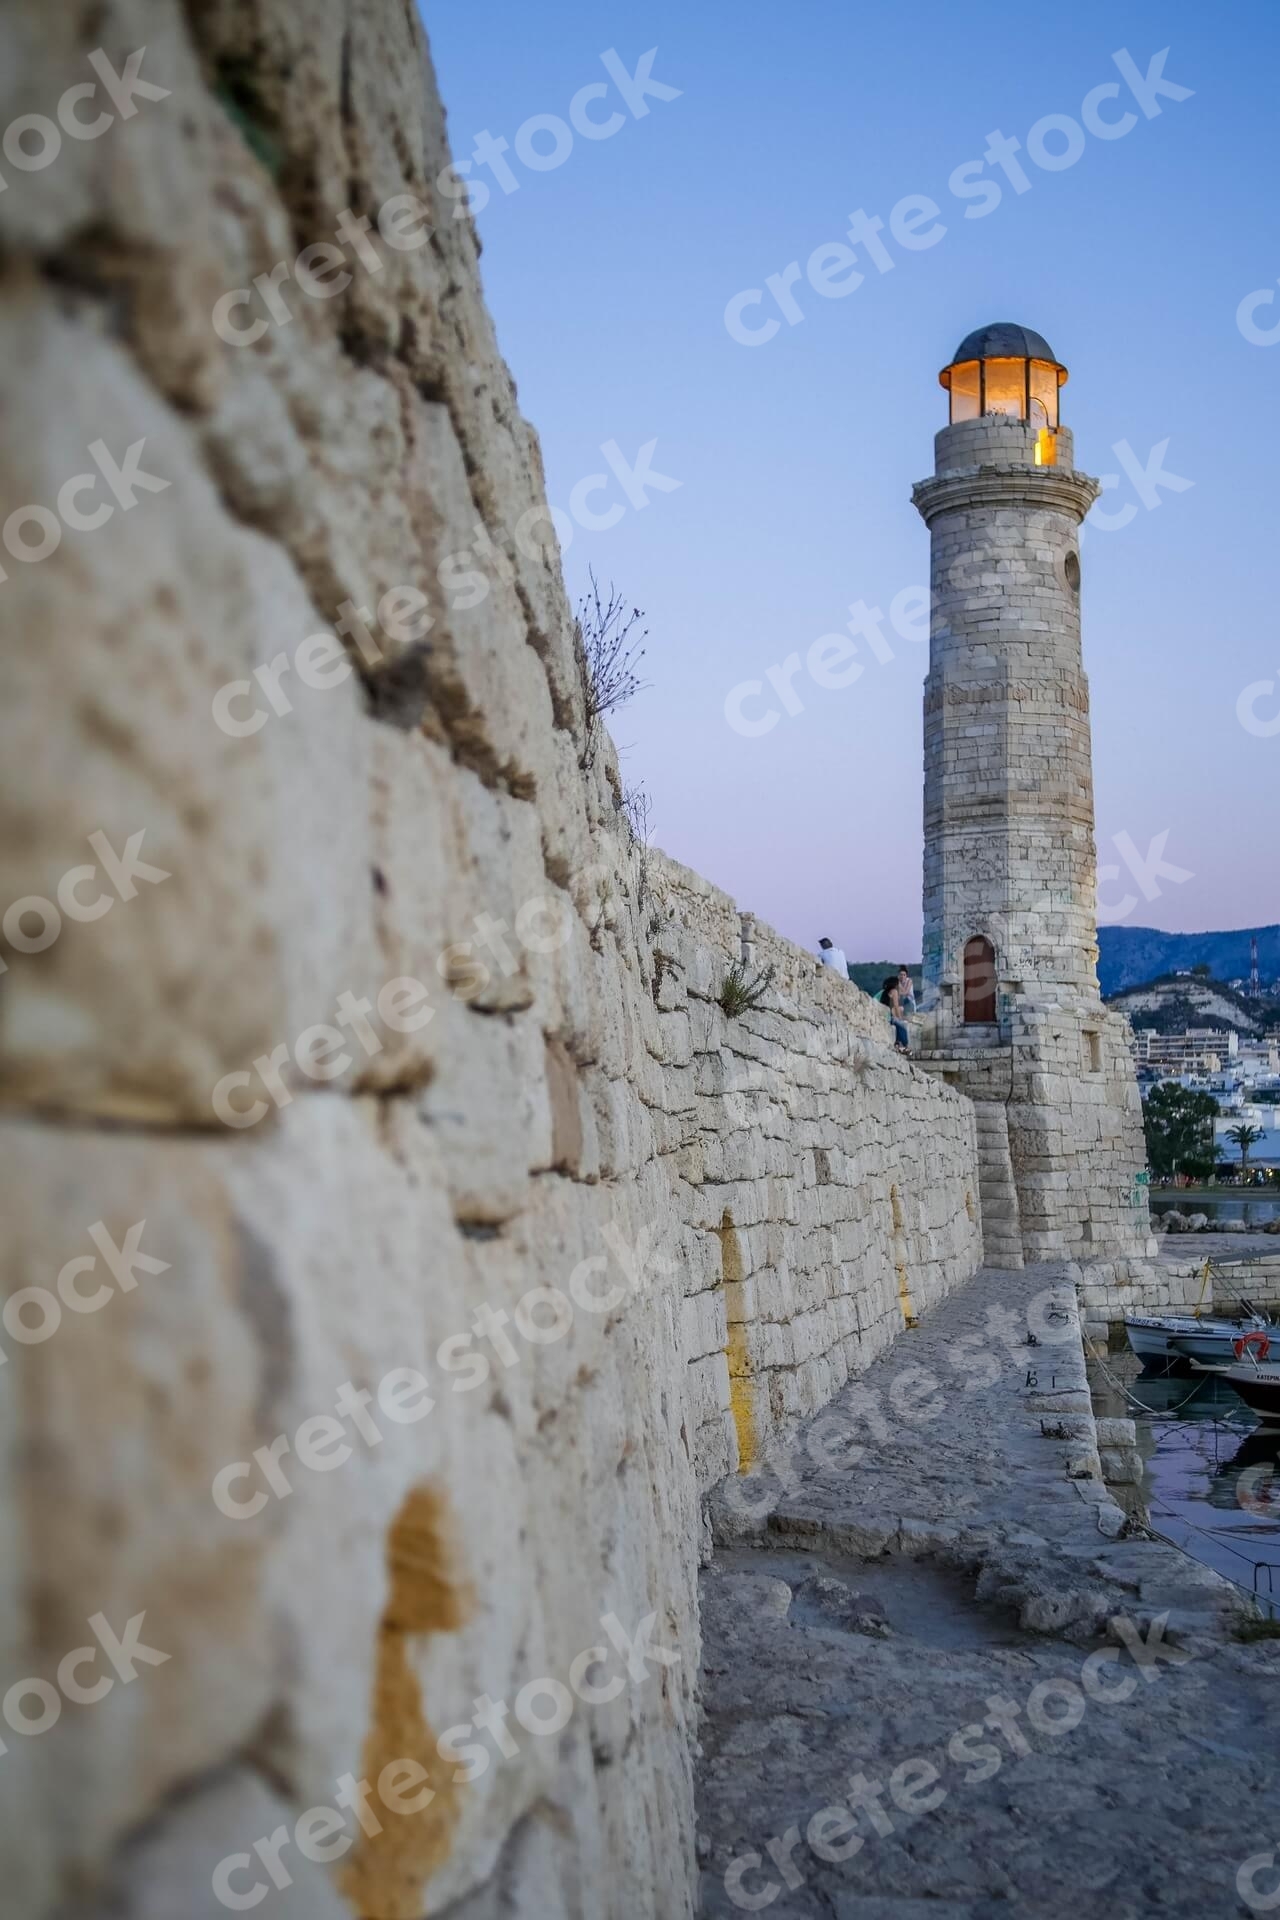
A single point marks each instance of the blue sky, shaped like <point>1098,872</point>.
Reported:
<point>609,276</point>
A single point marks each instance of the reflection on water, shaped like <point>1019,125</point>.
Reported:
<point>1211,1475</point>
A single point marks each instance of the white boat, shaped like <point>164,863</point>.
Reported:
<point>1168,1338</point>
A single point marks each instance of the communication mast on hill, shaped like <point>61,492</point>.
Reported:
<point>1255,986</point>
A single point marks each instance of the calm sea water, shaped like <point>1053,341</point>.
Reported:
<point>1255,1210</point>
<point>1211,1478</point>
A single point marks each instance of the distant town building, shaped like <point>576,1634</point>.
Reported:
<point>1259,1059</point>
<point>1196,1050</point>
<point>1242,1074</point>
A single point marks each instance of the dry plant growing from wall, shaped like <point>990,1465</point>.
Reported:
<point>741,990</point>
<point>637,809</point>
<point>609,654</point>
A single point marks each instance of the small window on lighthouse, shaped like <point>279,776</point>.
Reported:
<point>1043,385</point>
<point>1006,383</point>
<point>966,402</point>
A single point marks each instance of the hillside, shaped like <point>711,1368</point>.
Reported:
<point>1170,1006</point>
<point>1131,956</point>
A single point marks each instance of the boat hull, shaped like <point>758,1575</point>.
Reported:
<point>1259,1388</point>
<point>1170,1339</point>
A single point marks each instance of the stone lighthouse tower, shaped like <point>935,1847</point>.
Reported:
<point>1013,1013</point>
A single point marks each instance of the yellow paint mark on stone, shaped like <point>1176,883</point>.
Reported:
<point>388,1871</point>
<point>904,1295</point>
<point>741,1386</point>
<point>899,1261</point>
<point>741,1397</point>
<point>730,1249</point>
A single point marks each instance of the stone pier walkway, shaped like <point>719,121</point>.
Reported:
<point>939,1681</point>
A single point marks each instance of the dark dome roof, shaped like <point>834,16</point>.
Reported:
<point>1004,340</point>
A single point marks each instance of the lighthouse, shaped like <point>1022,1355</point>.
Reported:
<point>1013,1013</point>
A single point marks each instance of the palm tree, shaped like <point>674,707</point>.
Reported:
<point>1244,1137</point>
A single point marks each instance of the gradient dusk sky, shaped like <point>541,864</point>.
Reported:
<point>609,277</point>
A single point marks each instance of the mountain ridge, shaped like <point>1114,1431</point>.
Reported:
<point>1133,956</point>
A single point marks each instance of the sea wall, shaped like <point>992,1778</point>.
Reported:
<point>1256,1275</point>
<point>400,1236</point>
<point>828,1188</point>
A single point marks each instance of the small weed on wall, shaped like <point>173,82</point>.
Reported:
<point>741,990</point>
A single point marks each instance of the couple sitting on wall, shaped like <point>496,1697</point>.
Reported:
<point>897,995</point>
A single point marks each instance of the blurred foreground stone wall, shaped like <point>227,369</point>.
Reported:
<point>399,1237</point>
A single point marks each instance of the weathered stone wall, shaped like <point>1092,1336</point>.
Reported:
<point>1109,1291</point>
<point>828,1188</point>
<point>1182,1281</point>
<point>377,1154</point>
<point>1075,1126</point>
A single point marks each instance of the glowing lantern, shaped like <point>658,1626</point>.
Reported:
<point>1006,369</point>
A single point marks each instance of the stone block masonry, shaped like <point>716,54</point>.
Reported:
<point>418,1343</point>
<point>839,1181</point>
<point>1008,773</point>
<point>1256,1276</point>
<point>1013,1013</point>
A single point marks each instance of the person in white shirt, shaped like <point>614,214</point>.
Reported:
<point>832,957</point>
<point>906,990</point>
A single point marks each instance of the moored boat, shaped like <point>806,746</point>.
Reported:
<point>1172,1338</point>
<point>1258,1384</point>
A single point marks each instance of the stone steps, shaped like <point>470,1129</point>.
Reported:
<point>1001,1231</point>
